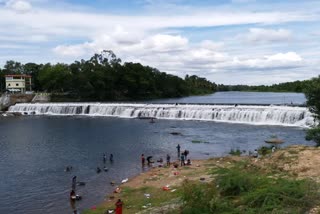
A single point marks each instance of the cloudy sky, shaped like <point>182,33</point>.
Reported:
<point>226,41</point>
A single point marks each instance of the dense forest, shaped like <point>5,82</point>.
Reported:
<point>103,77</point>
<point>296,86</point>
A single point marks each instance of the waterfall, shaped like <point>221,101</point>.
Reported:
<point>258,115</point>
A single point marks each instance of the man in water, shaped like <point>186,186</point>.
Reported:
<point>104,158</point>
<point>74,182</point>
<point>142,159</point>
<point>98,170</point>
<point>111,158</point>
<point>178,148</point>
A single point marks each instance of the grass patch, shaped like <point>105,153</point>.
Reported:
<point>293,152</point>
<point>134,199</point>
<point>242,189</point>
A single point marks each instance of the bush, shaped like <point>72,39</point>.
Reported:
<point>242,189</point>
<point>264,150</point>
<point>314,134</point>
<point>236,152</point>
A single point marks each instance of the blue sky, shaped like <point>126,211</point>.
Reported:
<point>226,41</point>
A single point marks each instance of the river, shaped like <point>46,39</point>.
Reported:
<point>34,151</point>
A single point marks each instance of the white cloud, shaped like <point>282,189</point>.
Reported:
<point>152,44</point>
<point>23,38</point>
<point>19,5</point>
<point>242,1</point>
<point>268,35</point>
<point>276,61</point>
<point>178,43</point>
<point>208,44</point>
<point>68,23</point>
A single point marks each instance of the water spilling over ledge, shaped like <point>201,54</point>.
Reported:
<point>248,114</point>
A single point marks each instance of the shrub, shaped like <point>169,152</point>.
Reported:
<point>241,189</point>
<point>236,152</point>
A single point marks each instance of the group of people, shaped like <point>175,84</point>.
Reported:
<point>73,196</point>
<point>105,158</point>
<point>182,156</point>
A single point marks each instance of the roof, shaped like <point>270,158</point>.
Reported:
<point>18,75</point>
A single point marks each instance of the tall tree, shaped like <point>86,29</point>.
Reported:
<point>312,92</point>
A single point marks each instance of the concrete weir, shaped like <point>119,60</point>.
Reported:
<point>247,114</point>
<point>7,100</point>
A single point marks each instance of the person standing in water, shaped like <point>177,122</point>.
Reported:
<point>74,182</point>
<point>119,204</point>
<point>168,160</point>
<point>178,149</point>
<point>111,158</point>
<point>104,158</point>
<point>143,160</point>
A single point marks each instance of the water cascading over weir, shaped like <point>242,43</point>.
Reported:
<point>247,114</point>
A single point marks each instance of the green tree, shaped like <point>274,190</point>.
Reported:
<point>13,67</point>
<point>312,92</point>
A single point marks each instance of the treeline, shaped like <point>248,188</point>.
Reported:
<point>103,78</point>
<point>296,86</point>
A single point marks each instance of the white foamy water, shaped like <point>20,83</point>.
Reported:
<point>257,115</point>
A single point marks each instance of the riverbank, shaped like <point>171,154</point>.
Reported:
<point>162,190</point>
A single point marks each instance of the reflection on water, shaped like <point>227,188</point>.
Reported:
<point>34,152</point>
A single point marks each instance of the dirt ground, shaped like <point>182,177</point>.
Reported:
<point>300,161</point>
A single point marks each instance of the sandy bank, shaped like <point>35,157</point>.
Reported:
<point>156,191</point>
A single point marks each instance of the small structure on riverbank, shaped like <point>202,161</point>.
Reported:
<point>18,83</point>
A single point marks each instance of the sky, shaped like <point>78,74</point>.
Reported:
<point>226,41</point>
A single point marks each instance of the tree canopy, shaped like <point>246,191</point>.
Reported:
<point>312,92</point>
<point>103,77</point>
<point>296,86</point>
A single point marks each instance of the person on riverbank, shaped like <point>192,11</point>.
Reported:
<point>178,149</point>
<point>149,160</point>
<point>111,158</point>
<point>119,204</point>
<point>186,153</point>
<point>189,162</point>
<point>143,160</point>
<point>182,159</point>
<point>168,160</point>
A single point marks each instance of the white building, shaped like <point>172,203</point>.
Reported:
<point>16,83</point>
